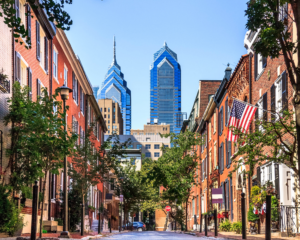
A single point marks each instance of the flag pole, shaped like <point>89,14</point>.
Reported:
<point>253,106</point>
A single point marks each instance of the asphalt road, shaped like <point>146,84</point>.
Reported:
<point>149,235</point>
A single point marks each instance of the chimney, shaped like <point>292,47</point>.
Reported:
<point>228,72</point>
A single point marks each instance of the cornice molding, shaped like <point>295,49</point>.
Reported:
<point>74,62</point>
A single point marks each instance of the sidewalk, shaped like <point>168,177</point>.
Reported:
<point>73,235</point>
<point>232,235</point>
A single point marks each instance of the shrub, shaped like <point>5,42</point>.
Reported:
<point>225,226</point>
<point>44,231</point>
<point>237,227</point>
<point>10,220</point>
<point>60,222</point>
<point>251,216</point>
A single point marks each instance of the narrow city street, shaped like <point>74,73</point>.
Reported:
<point>152,235</point>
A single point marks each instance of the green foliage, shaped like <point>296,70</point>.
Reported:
<point>251,216</point>
<point>225,226</point>
<point>274,209</point>
<point>268,143</point>
<point>91,208</point>
<point>55,14</point>
<point>60,222</point>
<point>26,192</point>
<point>44,231</point>
<point>10,220</point>
<point>236,227</point>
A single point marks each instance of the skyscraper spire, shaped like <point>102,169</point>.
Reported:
<point>114,60</point>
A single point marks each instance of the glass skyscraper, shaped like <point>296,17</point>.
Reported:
<point>165,89</point>
<point>115,87</point>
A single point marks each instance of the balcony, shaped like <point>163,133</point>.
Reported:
<point>4,83</point>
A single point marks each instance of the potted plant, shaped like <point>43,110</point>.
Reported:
<point>253,218</point>
<point>91,208</point>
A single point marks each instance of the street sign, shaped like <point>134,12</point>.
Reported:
<point>168,208</point>
<point>121,198</point>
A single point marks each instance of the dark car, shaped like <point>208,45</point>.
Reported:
<point>139,226</point>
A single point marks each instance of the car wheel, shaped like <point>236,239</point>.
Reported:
<point>140,229</point>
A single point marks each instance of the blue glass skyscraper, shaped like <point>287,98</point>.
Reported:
<point>165,89</point>
<point>115,87</point>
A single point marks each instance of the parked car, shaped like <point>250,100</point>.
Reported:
<point>139,226</point>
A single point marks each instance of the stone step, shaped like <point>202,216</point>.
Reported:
<point>50,223</point>
<point>56,228</point>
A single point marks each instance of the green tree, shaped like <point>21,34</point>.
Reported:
<point>39,141</point>
<point>175,171</point>
<point>54,9</point>
<point>275,22</point>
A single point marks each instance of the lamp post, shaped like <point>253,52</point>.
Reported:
<point>64,93</point>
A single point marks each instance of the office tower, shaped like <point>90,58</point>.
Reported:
<point>165,89</point>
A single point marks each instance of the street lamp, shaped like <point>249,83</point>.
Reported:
<point>64,93</point>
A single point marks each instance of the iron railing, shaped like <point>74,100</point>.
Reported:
<point>288,220</point>
<point>4,85</point>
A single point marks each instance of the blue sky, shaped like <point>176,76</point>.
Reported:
<point>206,35</point>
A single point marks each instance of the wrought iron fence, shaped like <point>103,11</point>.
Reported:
<point>4,85</point>
<point>289,220</point>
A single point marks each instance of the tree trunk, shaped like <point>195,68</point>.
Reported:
<point>82,216</point>
<point>43,200</point>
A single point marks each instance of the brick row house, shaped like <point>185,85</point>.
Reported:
<point>260,81</point>
<point>50,63</point>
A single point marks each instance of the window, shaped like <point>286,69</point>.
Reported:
<point>279,94</point>
<point>108,115</point>
<point>203,169</point>
<point>104,109</point>
<point>112,184</point>
<point>228,153</point>
<point>156,154</point>
<point>260,114</point>
<point>221,158</point>
<point>148,154</point>
<point>81,101</point>
<point>108,127</point>
<point>269,172</point>
<point>260,63</point>
<point>148,146</point>
<point>227,112</point>
<point>215,155</point>
<point>108,109</point>
<point>139,146</point>
<point>215,122</point>
<point>209,130</point>
<point>210,162</point>
<point>55,64</point>
<point>104,115</point>
<point>100,109</point>
<point>221,121</point>
<point>130,146</point>
<point>166,146</point>
<point>108,121</point>
<point>156,146</point>
<point>65,76</point>
<point>193,203</point>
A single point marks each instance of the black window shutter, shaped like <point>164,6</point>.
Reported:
<point>223,194</point>
<point>46,54</point>
<point>226,112</point>
<point>81,105</point>
<point>284,92</point>
<point>73,85</point>
<point>38,43</point>
<point>272,101</point>
<point>77,91</point>
<point>277,186</point>
<point>258,174</point>
<point>17,4</point>
<point>229,152</point>
<point>29,83</point>
<point>256,118</point>
<point>264,62</point>
<point>222,117</point>
<point>17,67</point>
<point>29,21</point>
<point>255,66</point>
<point>265,106</point>
<point>227,195</point>
<point>222,157</point>
<point>226,155</point>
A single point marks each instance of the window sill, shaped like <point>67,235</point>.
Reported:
<point>43,69</point>
<point>55,79</point>
<point>259,75</point>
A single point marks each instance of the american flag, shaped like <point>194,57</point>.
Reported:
<point>240,117</point>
